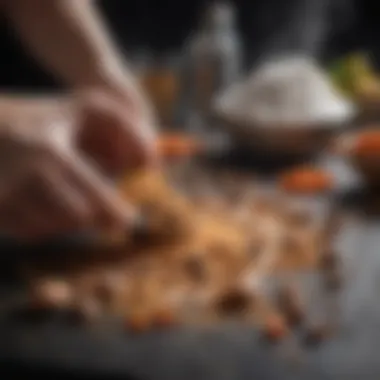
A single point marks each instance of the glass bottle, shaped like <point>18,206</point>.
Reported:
<point>211,62</point>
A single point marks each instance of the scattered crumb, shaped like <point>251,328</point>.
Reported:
<point>274,328</point>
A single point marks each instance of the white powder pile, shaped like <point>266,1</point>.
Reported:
<point>287,91</point>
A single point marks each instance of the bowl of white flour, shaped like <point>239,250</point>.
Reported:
<point>287,105</point>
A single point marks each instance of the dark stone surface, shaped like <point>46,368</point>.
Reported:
<point>231,351</point>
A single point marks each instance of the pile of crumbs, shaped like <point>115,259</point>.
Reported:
<point>204,263</point>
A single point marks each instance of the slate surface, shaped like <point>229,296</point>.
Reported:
<point>230,352</point>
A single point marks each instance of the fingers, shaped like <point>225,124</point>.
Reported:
<point>60,197</point>
<point>44,204</point>
<point>113,135</point>
<point>52,193</point>
<point>111,210</point>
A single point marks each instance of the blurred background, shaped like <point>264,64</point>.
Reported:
<point>153,34</point>
<point>327,28</point>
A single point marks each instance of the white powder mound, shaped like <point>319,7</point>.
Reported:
<point>288,91</point>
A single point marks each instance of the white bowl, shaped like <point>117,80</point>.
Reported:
<point>285,105</point>
<point>289,139</point>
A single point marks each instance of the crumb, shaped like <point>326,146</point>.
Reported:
<point>290,305</point>
<point>275,328</point>
<point>234,301</point>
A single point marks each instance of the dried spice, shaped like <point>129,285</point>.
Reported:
<point>216,252</point>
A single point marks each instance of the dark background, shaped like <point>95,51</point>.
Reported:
<point>324,28</point>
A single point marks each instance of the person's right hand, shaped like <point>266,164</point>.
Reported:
<point>47,185</point>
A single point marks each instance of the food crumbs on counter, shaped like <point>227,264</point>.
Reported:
<point>233,302</point>
<point>189,252</point>
<point>289,303</point>
<point>274,328</point>
<point>306,180</point>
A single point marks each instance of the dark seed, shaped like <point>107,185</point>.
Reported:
<point>234,301</point>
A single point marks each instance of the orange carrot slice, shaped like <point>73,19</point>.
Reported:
<point>306,180</point>
<point>367,143</point>
<point>177,145</point>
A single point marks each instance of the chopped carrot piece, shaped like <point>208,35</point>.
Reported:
<point>306,180</point>
<point>367,142</point>
<point>171,146</point>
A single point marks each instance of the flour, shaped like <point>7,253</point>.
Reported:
<point>292,90</point>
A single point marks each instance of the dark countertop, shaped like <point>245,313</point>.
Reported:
<point>231,351</point>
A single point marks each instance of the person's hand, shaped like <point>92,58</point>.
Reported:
<point>48,184</point>
<point>125,88</point>
<point>116,130</point>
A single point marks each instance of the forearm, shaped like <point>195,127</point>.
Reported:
<point>68,38</point>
